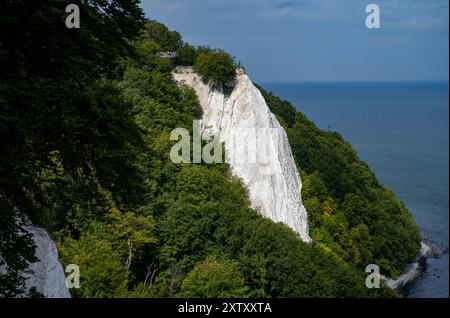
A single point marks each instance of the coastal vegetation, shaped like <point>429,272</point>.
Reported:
<point>216,66</point>
<point>350,212</point>
<point>85,121</point>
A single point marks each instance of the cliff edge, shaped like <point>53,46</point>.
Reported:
<point>256,146</point>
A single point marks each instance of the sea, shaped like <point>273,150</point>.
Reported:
<point>401,129</point>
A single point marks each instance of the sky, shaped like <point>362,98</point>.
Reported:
<point>317,40</point>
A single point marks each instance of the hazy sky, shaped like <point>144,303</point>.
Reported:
<point>317,40</point>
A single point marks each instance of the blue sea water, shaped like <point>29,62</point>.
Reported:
<point>402,131</point>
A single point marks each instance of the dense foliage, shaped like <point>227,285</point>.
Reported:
<point>85,121</point>
<point>213,278</point>
<point>67,141</point>
<point>215,66</point>
<point>349,211</point>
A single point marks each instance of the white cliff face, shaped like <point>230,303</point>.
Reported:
<point>256,146</point>
<point>48,275</point>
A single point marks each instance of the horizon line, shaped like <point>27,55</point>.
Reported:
<point>354,81</point>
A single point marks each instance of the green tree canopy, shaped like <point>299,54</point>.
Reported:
<point>214,279</point>
<point>215,66</point>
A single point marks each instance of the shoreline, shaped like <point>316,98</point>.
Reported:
<point>412,270</point>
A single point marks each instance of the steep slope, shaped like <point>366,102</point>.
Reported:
<point>47,273</point>
<point>44,275</point>
<point>102,178</point>
<point>256,147</point>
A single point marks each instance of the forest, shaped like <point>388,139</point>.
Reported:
<point>85,122</point>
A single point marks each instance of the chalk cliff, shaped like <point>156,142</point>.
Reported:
<point>48,274</point>
<point>256,146</point>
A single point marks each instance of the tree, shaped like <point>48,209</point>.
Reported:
<point>214,278</point>
<point>186,55</point>
<point>215,66</point>
<point>168,40</point>
<point>17,250</point>
<point>55,96</point>
<point>137,231</point>
<point>102,273</point>
<point>313,186</point>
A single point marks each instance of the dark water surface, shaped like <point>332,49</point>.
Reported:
<point>402,131</point>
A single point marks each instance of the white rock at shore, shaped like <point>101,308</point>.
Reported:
<point>411,272</point>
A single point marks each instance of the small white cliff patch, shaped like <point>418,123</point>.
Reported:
<point>48,275</point>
